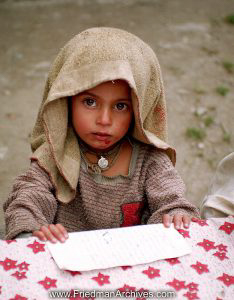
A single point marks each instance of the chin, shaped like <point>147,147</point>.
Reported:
<point>104,146</point>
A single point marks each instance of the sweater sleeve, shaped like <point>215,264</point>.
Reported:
<point>31,203</point>
<point>165,190</point>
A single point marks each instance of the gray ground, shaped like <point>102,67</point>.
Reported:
<point>191,39</point>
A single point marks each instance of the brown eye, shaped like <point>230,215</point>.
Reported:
<point>121,106</point>
<point>89,102</point>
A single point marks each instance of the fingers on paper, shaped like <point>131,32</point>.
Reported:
<point>177,219</point>
<point>39,234</point>
<point>186,221</point>
<point>63,230</point>
<point>167,219</point>
<point>52,233</point>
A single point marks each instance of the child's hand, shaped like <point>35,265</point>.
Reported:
<point>52,233</point>
<point>177,219</point>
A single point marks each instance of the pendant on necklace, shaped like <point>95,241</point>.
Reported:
<point>103,162</point>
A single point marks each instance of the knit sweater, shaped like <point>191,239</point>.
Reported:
<point>151,189</point>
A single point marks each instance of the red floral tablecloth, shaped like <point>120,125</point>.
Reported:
<point>27,271</point>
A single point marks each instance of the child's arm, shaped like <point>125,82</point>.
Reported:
<point>165,194</point>
<point>31,203</point>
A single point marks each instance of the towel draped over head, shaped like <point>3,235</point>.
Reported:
<point>92,57</point>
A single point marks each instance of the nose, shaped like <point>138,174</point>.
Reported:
<point>104,117</point>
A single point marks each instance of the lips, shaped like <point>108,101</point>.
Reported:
<point>101,136</point>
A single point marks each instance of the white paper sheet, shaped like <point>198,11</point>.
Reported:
<point>106,248</point>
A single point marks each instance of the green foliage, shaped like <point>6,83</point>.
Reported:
<point>226,137</point>
<point>230,19</point>
<point>195,133</point>
<point>222,90</point>
<point>228,66</point>
<point>208,121</point>
<point>226,134</point>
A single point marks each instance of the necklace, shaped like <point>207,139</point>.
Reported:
<point>105,159</point>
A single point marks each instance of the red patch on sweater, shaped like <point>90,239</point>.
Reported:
<point>131,213</point>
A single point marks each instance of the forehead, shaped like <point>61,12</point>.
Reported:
<point>114,87</point>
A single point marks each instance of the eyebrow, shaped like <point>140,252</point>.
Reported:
<point>94,95</point>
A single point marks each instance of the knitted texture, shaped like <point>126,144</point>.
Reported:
<point>153,188</point>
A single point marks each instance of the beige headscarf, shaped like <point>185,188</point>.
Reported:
<point>94,56</point>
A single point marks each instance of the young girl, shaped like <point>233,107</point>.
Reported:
<point>100,157</point>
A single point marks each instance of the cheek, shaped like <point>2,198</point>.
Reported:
<point>123,123</point>
<point>79,119</point>
<point>81,123</point>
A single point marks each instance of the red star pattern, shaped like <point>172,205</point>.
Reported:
<point>127,288</point>
<point>37,247</point>
<point>152,272</point>
<point>19,275</point>
<point>227,227</point>
<point>48,283</point>
<point>10,241</point>
<point>18,297</point>
<point>207,245</point>
<point>200,222</point>
<point>73,273</point>
<point>126,267</point>
<point>192,286</point>
<point>183,232</point>
<point>191,296</point>
<point>8,264</point>
<point>141,291</point>
<point>221,255</point>
<point>77,296</point>
<point>101,279</point>
<point>23,266</point>
<point>177,284</point>
<point>173,261</point>
<point>222,247</point>
<point>18,271</point>
<point>226,279</point>
<point>200,268</point>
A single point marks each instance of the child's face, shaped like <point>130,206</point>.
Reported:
<point>102,115</point>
